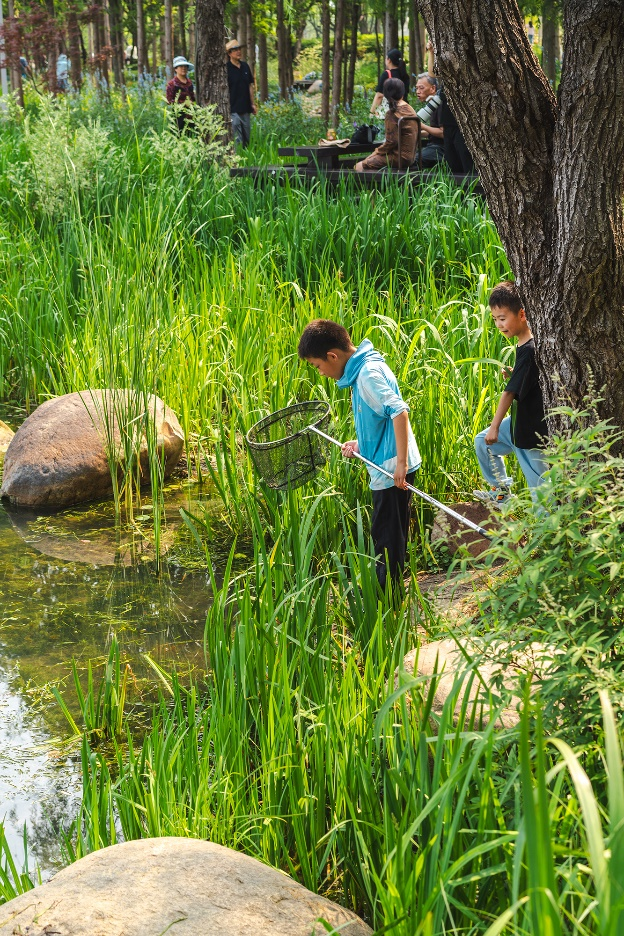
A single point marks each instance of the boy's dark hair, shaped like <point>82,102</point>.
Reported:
<point>506,294</point>
<point>321,336</point>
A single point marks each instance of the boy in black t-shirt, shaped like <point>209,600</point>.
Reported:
<point>525,431</point>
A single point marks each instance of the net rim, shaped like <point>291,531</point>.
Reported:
<point>280,414</point>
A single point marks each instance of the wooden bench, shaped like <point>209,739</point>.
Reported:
<point>363,180</point>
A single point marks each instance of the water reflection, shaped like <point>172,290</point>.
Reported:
<point>67,581</point>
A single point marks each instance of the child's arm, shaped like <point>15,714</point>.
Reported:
<point>400,424</point>
<point>502,409</point>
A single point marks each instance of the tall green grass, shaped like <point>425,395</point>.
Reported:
<point>175,280</point>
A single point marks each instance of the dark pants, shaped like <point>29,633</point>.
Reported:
<point>389,530</point>
<point>432,154</point>
<point>456,152</point>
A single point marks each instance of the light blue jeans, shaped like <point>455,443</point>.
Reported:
<point>492,462</point>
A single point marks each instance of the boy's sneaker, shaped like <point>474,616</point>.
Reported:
<point>495,497</point>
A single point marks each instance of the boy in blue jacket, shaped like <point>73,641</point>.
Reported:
<point>383,431</point>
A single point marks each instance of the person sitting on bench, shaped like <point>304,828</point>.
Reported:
<point>387,155</point>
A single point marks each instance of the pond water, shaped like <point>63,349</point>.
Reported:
<point>68,581</point>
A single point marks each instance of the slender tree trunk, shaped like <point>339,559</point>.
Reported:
<point>168,49</point>
<point>210,65</point>
<point>73,34</point>
<point>325,79</point>
<point>282,52</point>
<point>116,40</point>
<point>377,47</point>
<point>392,25</point>
<point>141,44</point>
<point>263,76</point>
<point>552,174</point>
<point>241,31</point>
<point>191,37</point>
<point>182,18</point>
<point>355,18</point>
<point>338,55</point>
<point>251,43</point>
<point>12,43</point>
<point>415,48</point>
<point>51,48</point>
<point>549,40</point>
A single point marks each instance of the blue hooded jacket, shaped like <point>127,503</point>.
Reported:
<point>376,401</point>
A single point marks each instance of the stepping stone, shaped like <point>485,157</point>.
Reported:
<point>178,886</point>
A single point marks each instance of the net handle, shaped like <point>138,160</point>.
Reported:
<point>410,487</point>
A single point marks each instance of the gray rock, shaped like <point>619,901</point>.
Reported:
<point>444,657</point>
<point>6,434</point>
<point>184,887</point>
<point>58,455</point>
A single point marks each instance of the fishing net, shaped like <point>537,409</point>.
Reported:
<point>283,449</point>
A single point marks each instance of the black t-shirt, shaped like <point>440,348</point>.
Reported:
<point>528,424</point>
<point>239,80</point>
<point>390,73</point>
<point>445,114</point>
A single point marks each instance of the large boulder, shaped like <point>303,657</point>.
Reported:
<point>184,887</point>
<point>6,434</point>
<point>58,455</point>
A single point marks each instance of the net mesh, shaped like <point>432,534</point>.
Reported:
<point>284,452</point>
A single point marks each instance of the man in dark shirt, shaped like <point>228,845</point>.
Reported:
<point>524,432</point>
<point>241,84</point>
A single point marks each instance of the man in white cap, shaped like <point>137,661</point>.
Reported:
<point>242,100</point>
<point>180,89</point>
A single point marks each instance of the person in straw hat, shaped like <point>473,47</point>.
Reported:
<point>242,97</point>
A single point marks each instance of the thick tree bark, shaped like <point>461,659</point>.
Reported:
<point>12,44</point>
<point>210,65</point>
<point>251,43</point>
<point>553,174</point>
<point>241,31</point>
<point>326,31</point>
<point>263,73</point>
<point>392,25</point>
<point>338,54</point>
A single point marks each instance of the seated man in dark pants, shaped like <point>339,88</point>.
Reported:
<point>432,132</point>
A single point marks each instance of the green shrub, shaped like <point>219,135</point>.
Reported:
<point>564,575</point>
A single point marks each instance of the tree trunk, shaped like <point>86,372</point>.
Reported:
<point>51,48</point>
<point>326,32</point>
<point>549,40</point>
<point>355,18</point>
<point>415,46</point>
<point>210,66</point>
<point>283,53</point>
<point>251,44</point>
<point>168,49</point>
<point>191,37</point>
<point>141,44</point>
<point>552,174</point>
<point>377,47</point>
<point>263,75</point>
<point>12,45</point>
<point>182,40</point>
<point>338,54</point>
<point>115,14</point>
<point>392,25</point>
<point>241,32</point>
<point>73,34</point>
